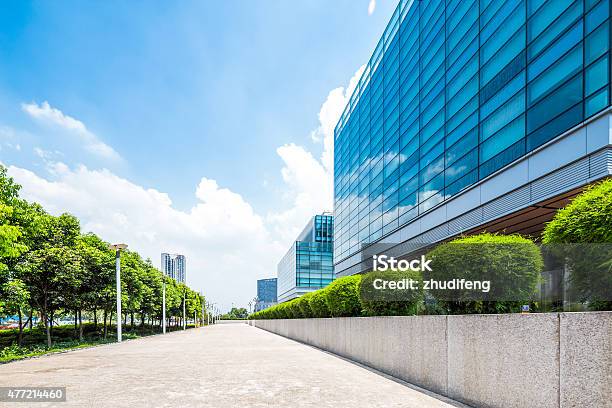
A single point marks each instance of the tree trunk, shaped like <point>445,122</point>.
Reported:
<point>43,315</point>
<point>131,320</point>
<point>95,312</point>
<point>76,325</point>
<point>80,327</point>
<point>105,324</point>
<point>30,317</point>
<point>20,339</point>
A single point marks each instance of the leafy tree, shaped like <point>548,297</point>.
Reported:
<point>16,298</point>
<point>51,269</point>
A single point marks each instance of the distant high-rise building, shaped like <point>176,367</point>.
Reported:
<point>266,293</point>
<point>173,265</point>
<point>308,265</point>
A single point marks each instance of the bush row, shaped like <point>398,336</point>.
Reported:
<point>511,261</point>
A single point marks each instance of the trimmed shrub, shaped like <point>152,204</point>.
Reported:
<point>317,304</point>
<point>581,235</point>
<point>304,305</point>
<point>342,296</point>
<point>294,309</point>
<point>390,302</point>
<point>511,263</point>
<point>588,218</point>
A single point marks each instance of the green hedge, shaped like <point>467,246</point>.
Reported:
<point>304,305</point>
<point>581,234</point>
<point>317,304</point>
<point>512,263</point>
<point>342,297</point>
<point>388,302</point>
<point>588,218</point>
<point>510,259</point>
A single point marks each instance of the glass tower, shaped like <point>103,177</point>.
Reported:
<point>266,293</point>
<point>455,91</point>
<point>174,266</point>
<point>308,265</point>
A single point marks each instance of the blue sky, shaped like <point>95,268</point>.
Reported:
<point>177,93</point>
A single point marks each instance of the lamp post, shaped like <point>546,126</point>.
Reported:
<point>184,315</point>
<point>118,248</point>
<point>163,303</point>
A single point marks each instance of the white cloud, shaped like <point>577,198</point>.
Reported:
<point>225,241</point>
<point>310,180</point>
<point>371,7</point>
<point>228,246</point>
<point>49,115</point>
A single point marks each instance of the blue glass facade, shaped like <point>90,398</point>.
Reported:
<point>308,265</point>
<point>455,91</point>
<point>266,290</point>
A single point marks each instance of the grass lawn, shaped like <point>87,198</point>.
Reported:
<point>64,338</point>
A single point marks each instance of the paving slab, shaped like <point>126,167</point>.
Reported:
<point>225,366</point>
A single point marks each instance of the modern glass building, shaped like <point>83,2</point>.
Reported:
<point>308,265</point>
<point>472,115</point>
<point>174,266</point>
<point>266,293</point>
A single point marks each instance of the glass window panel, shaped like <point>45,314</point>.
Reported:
<point>503,57</point>
<point>556,28</point>
<point>596,16</point>
<point>503,158</point>
<point>466,164</point>
<point>460,184</point>
<point>566,67</point>
<point>551,55</point>
<point>542,19</point>
<point>503,32</point>
<point>596,102</point>
<point>504,138</point>
<point>564,97</point>
<point>596,44</point>
<point>596,76</point>
<point>503,115</point>
<point>503,95</point>
<point>458,149</point>
<point>555,127</point>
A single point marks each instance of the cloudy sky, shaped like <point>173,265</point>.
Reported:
<point>197,127</point>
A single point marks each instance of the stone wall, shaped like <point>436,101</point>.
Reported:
<point>542,360</point>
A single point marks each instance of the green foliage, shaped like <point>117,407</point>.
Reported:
<point>318,305</point>
<point>304,305</point>
<point>236,314</point>
<point>512,263</point>
<point>390,302</point>
<point>582,233</point>
<point>294,309</point>
<point>588,218</point>
<point>342,296</point>
<point>49,269</point>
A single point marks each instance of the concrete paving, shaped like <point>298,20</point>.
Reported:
<point>230,365</point>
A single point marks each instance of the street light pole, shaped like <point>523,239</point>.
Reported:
<point>118,248</point>
<point>163,303</point>
<point>184,315</point>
